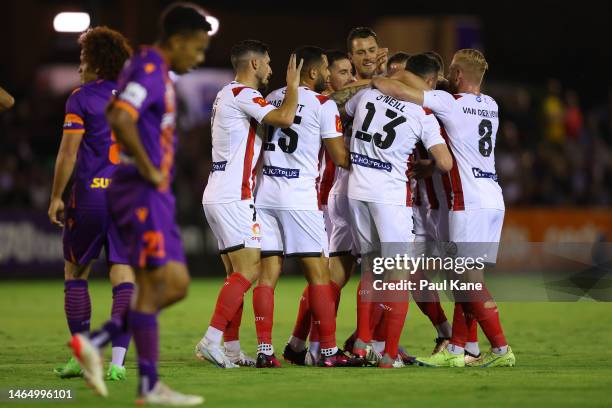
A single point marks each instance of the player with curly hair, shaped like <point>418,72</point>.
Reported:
<point>88,150</point>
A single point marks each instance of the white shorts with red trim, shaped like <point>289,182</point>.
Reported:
<point>342,239</point>
<point>292,232</point>
<point>477,232</point>
<point>386,227</point>
<point>234,224</point>
<point>430,224</point>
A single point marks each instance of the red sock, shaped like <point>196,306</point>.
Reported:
<point>232,333</point>
<point>378,322</point>
<point>263,307</point>
<point>336,290</point>
<point>364,332</point>
<point>395,317</point>
<point>433,310</point>
<point>314,332</point>
<point>322,305</point>
<point>460,329</point>
<point>472,325</point>
<point>303,321</point>
<point>229,300</point>
<point>485,311</point>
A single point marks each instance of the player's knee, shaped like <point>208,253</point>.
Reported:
<point>490,304</point>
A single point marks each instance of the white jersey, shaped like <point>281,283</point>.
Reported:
<point>292,157</point>
<point>471,123</point>
<point>385,131</point>
<point>235,143</point>
<point>435,192</point>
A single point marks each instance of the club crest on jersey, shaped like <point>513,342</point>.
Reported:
<point>256,230</point>
<point>338,124</point>
<point>142,213</point>
<point>260,101</point>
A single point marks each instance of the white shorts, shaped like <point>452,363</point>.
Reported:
<point>342,240</point>
<point>234,224</point>
<point>386,224</point>
<point>477,232</point>
<point>431,227</point>
<point>328,227</point>
<point>292,232</point>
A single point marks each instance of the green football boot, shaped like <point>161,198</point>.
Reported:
<point>70,370</point>
<point>115,373</point>
<point>442,359</point>
<point>490,359</point>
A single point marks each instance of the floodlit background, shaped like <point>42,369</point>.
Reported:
<point>549,71</point>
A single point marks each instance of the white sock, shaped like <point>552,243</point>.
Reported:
<point>315,347</point>
<point>444,330</point>
<point>328,352</point>
<point>296,344</point>
<point>118,356</point>
<point>500,350</point>
<point>472,347</point>
<point>454,349</point>
<point>213,335</point>
<point>232,347</point>
<point>267,349</point>
<point>378,346</point>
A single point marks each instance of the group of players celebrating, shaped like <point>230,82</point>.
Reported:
<point>356,151</point>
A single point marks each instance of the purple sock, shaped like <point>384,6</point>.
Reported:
<point>77,305</point>
<point>146,338</point>
<point>122,296</point>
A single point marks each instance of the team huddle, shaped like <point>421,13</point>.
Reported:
<point>358,154</point>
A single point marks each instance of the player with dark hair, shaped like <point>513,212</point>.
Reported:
<point>397,62</point>
<point>471,120</point>
<point>228,197</point>
<point>340,71</point>
<point>288,208</point>
<point>142,205</point>
<point>89,150</point>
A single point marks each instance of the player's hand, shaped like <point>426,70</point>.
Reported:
<point>154,176</point>
<point>56,212</point>
<point>382,56</point>
<point>293,72</point>
<point>422,169</point>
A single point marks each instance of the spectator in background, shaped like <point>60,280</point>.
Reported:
<point>573,120</point>
<point>552,110</point>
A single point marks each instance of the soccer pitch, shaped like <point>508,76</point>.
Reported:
<point>563,352</point>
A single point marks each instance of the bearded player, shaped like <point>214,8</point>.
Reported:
<point>470,119</point>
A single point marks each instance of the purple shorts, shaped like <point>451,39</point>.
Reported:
<point>87,231</point>
<point>145,218</point>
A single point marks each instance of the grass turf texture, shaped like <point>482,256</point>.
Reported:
<point>563,355</point>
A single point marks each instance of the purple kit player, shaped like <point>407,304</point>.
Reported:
<point>88,149</point>
<point>140,200</point>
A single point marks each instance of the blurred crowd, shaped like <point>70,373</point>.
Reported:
<point>550,150</point>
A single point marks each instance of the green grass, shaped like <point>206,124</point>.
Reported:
<point>563,355</point>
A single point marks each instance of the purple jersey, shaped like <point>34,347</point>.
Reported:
<point>98,153</point>
<point>145,215</point>
<point>146,92</point>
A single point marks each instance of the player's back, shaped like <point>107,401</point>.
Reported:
<point>98,153</point>
<point>385,131</point>
<point>235,144</point>
<point>292,156</point>
<point>470,122</point>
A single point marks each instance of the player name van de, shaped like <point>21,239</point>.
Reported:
<point>424,284</point>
